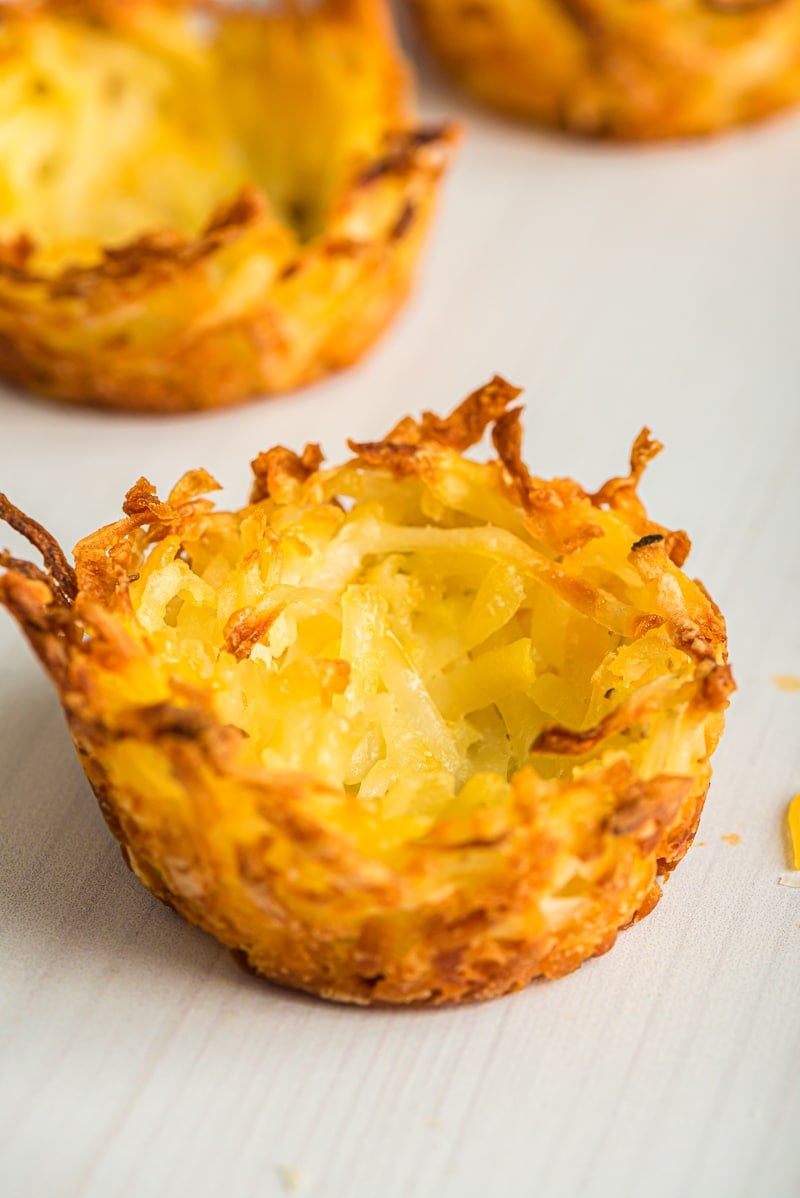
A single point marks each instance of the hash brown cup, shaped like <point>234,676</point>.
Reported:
<point>614,68</point>
<point>413,729</point>
<point>201,203</point>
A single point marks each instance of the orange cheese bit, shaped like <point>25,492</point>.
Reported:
<point>793,816</point>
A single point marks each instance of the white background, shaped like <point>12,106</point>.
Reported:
<point>620,287</point>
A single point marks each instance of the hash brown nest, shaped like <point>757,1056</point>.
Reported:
<point>414,729</point>
<point>613,68</point>
<point>201,203</point>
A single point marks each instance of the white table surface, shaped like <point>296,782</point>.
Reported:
<point>619,287</point>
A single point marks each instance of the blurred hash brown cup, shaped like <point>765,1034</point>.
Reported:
<point>202,203</point>
<point>636,71</point>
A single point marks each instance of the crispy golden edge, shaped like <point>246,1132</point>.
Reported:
<point>75,336</point>
<point>455,916</point>
<point>610,69</point>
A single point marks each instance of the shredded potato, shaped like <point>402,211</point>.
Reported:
<point>414,728</point>
<point>404,659</point>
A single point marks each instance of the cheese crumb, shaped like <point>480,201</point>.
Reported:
<point>794,829</point>
<point>787,682</point>
<point>291,1178</point>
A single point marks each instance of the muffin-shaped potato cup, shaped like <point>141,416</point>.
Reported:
<point>614,68</point>
<point>199,203</point>
<point>415,729</point>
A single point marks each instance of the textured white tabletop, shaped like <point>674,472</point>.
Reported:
<point>620,288</point>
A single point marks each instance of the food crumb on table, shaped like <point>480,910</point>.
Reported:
<point>787,682</point>
<point>291,1178</point>
<point>793,819</point>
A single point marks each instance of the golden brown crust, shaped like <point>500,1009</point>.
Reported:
<point>174,320</point>
<point>60,573</point>
<point>611,68</point>
<point>295,875</point>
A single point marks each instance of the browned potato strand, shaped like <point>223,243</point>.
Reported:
<point>199,204</point>
<point>632,69</point>
<point>413,729</point>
